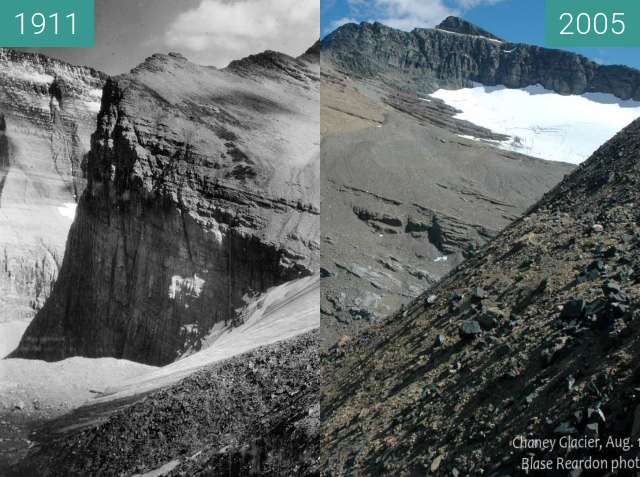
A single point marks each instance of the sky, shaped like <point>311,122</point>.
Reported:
<point>209,32</point>
<point>514,20</point>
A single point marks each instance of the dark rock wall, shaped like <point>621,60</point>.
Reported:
<point>166,241</point>
<point>438,58</point>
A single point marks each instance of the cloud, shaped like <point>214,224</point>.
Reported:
<point>410,14</point>
<point>218,31</point>
<point>341,21</point>
<point>469,4</point>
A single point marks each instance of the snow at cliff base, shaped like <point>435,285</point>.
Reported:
<point>542,123</point>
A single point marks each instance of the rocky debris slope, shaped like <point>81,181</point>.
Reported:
<point>405,197</point>
<point>256,414</point>
<point>202,191</point>
<point>33,392</point>
<point>536,336</point>
<point>48,111</point>
<point>456,54</point>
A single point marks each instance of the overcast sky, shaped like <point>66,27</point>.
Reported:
<point>210,32</point>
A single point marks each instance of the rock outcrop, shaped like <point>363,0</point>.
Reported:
<point>458,25</point>
<point>254,414</point>
<point>48,111</point>
<point>456,54</point>
<point>537,336</point>
<point>407,196</point>
<point>202,190</point>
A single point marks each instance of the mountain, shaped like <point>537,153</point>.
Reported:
<point>536,336</point>
<point>202,193</point>
<point>48,111</point>
<point>194,249</point>
<point>458,25</point>
<point>457,54</point>
<point>435,140</point>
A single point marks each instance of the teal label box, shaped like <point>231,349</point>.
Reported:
<point>592,23</point>
<point>47,23</point>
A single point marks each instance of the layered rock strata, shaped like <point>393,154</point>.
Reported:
<point>202,192</point>
<point>48,112</point>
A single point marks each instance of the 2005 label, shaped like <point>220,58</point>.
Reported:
<point>584,23</point>
<point>592,23</point>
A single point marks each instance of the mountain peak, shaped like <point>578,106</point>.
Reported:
<point>458,25</point>
<point>313,51</point>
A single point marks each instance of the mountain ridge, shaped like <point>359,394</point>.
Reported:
<point>433,58</point>
<point>200,190</point>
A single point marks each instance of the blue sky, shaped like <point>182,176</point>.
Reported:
<point>513,20</point>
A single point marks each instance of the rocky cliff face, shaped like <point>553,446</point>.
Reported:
<point>406,195</point>
<point>458,25</point>
<point>48,111</point>
<point>456,54</point>
<point>537,337</point>
<point>202,191</point>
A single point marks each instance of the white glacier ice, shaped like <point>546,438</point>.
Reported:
<point>542,123</point>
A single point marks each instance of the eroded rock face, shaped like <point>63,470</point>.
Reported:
<point>406,198</point>
<point>202,188</point>
<point>536,335</point>
<point>48,112</point>
<point>456,54</point>
<point>458,25</point>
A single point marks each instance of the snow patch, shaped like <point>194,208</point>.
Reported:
<point>492,40</point>
<point>160,471</point>
<point>181,288</point>
<point>62,385</point>
<point>444,258</point>
<point>96,100</point>
<point>217,233</point>
<point>30,76</point>
<point>10,334</point>
<point>68,210</point>
<point>283,312</point>
<point>93,106</point>
<point>542,123</point>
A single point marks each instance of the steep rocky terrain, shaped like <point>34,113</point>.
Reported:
<point>202,193</point>
<point>536,336</point>
<point>410,190</point>
<point>458,25</point>
<point>34,391</point>
<point>456,54</point>
<point>255,414</point>
<point>48,111</point>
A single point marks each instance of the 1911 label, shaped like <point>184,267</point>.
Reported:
<point>43,23</point>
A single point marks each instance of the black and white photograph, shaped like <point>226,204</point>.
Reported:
<point>159,244</point>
